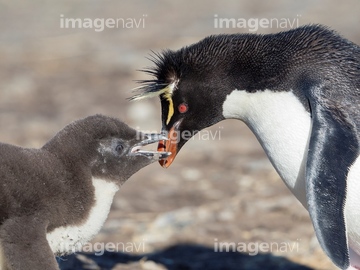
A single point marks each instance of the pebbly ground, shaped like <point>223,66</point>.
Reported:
<point>218,190</point>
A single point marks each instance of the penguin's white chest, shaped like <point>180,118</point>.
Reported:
<point>283,127</point>
<point>70,239</point>
<point>352,208</point>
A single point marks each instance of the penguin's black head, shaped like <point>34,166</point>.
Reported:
<point>109,148</point>
<point>191,88</point>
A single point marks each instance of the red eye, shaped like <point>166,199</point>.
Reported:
<point>183,108</point>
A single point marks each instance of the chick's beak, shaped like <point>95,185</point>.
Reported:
<point>170,145</point>
<point>149,139</point>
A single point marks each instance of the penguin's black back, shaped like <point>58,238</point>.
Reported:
<point>258,58</point>
<point>31,194</point>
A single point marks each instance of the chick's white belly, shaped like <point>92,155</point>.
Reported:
<point>69,239</point>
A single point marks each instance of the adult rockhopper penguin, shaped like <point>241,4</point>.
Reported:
<point>299,92</point>
<point>56,198</point>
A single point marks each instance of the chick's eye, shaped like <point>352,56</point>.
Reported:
<point>183,108</point>
<point>119,148</point>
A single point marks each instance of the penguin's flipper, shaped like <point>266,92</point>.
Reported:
<point>333,148</point>
<point>24,244</point>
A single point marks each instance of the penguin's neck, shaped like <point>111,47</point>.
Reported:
<point>282,126</point>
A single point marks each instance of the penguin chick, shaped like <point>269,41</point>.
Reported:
<point>56,198</point>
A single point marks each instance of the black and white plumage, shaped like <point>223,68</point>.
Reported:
<point>56,198</point>
<point>299,92</point>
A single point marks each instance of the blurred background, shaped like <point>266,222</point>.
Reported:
<point>221,190</point>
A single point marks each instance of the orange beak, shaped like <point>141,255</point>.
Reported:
<point>170,145</point>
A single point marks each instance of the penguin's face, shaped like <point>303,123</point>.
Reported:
<point>192,91</point>
<point>192,107</point>
<point>119,157</point>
